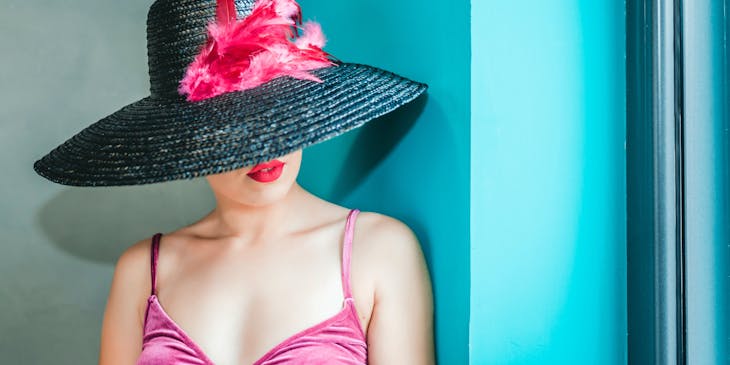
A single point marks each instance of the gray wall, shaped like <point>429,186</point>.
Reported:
<point>65,65</point>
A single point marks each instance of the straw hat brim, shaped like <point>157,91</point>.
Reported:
<point>161,139</point>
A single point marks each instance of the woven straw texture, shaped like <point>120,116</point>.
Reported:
<point>163,137</point>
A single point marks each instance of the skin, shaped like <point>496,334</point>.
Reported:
<point>263,265</point>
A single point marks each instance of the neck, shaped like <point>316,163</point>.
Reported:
<point>249,223</point>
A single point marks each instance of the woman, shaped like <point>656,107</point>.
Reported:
<point>273,274</point>
<point>264,265</point>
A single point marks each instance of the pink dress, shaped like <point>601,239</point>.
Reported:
<point>334,341</point>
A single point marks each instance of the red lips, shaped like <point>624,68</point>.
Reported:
<point>266,172</point>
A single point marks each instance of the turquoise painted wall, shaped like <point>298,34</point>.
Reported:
<point>414,163</point>
<point>548,217</point>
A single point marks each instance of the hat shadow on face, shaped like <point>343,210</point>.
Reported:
<point>98,223</point>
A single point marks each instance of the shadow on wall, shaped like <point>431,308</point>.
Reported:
<point>98,223</point>
<point>335,169</point>
<point>374,143</point>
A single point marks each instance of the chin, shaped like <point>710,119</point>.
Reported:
<point>265,194</point>
<point>239,187</point>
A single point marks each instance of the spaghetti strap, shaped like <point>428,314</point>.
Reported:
<point>154,248</point>
<point>347,252</point>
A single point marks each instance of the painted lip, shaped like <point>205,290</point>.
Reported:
<point>266,172</point>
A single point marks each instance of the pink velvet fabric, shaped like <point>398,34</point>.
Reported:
<point>334,341</point>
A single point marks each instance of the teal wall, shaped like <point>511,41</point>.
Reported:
<point>548,217</point>
<point>414,163</point>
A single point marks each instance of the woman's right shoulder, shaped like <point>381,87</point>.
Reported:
<point>132,272</point>
<point>121,333</point>
<point>135,254</point>
<point>134,264</point>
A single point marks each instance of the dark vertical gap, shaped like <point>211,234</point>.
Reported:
<point>679,177</point>
<point>655,183</point>
<point>642,313</point>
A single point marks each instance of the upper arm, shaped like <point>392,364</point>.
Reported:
<point>401,326</point>
<point>121,332</point>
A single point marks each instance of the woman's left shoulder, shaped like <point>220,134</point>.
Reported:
<point>388,244</point>
<point>384,232</point>
<point>400,320</point>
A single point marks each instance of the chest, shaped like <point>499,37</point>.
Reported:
<point>336,340</point>
<point>237,310</point>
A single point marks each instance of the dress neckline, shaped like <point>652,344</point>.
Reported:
<point>347,308</point>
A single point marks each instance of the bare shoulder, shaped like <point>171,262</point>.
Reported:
<point>134,255</point>
<point>121,333</point>
<point>382,235</point>
<point>382,226</point>
<point>132,273</point>
<point>389,251</point>
<point>400,329</point>
<point>134,263</point>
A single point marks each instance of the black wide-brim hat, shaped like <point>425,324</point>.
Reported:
<point>165,137</point>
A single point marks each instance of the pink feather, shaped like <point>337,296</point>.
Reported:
<point>226,11</point>
<point>312,36</point>
<point>243,54</point>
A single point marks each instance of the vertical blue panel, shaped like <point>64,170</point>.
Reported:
<point>548,222</point>
<point>414,163</point>
<point>707,186</point>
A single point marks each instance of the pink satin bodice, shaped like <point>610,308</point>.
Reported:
<point>338,340</point>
